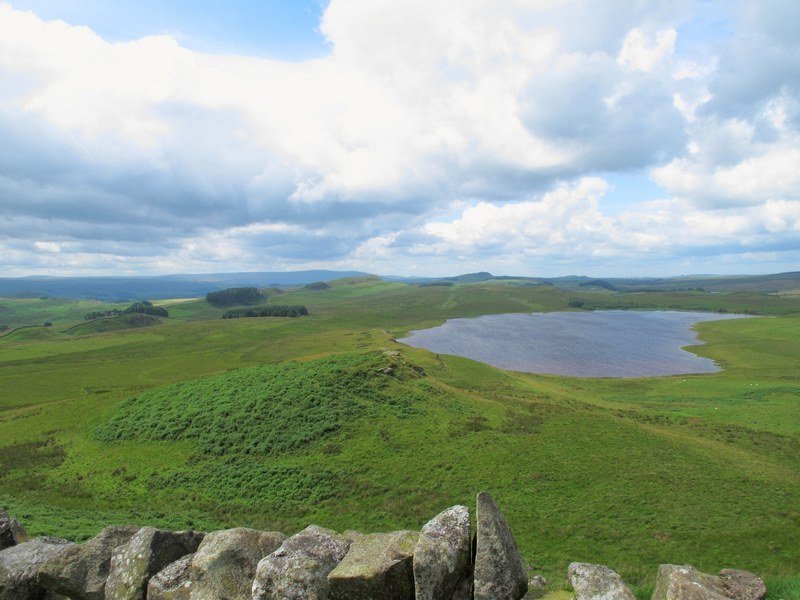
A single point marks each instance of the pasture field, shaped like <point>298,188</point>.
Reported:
<point>276,423</point>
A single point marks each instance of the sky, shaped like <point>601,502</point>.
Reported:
<point>422,137</point>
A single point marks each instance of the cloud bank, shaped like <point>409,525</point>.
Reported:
<point>435,137</point>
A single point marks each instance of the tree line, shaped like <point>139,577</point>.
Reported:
<point>273,310</point>
<point>144,307</point>
<point>235,297</point>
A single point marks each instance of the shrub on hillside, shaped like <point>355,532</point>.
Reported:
<point>274,310</point>
<point>235,297</point>
<point>146,308</point>
<point>99,314</point>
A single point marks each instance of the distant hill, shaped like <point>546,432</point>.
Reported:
<point>117,289</point>
<point>155,287</point>
<point>773,283</point>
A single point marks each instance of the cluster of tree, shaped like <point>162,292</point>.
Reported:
<point>319,286</point>
<point>235,297</point>
<point>437,284</point>
<point>146,308</point>
<point>273,310</point>
<point>99,314</point>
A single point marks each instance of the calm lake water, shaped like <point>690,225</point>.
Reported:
<point>609,343</point>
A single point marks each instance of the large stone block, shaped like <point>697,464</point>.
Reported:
<point>442,556</point>
<point>80,571</point>
<point>378,566</point>
<point>225,564</point>
<point>19,568</point>
<point>299,569</point>
<point>596,582</point>
<point>11,531</point>
<point>147,553</point>
<point>499,570</point>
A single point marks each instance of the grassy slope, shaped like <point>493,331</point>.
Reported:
<point>699,469</point>
<point>16,312</point>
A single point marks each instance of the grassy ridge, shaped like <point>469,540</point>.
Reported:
<point>699,469</point>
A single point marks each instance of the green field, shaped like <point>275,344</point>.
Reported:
<point>276,423</point>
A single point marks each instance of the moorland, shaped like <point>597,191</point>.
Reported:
<point>195,421</point>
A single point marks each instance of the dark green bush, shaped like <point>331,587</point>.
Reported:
<point>146,308</point>
<point>273,310</point>
<point>235,297</point>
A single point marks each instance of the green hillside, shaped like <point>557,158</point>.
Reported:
<point>117,323</point>
<point>279,422</point>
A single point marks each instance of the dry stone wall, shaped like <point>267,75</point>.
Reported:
<point>441,562</point>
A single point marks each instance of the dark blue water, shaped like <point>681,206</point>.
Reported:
<point>609,343</point>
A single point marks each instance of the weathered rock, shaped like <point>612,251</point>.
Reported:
<point>682,582</point>
<point>442,556</point>
<point>499,570</point>
<point>351,534</point>
<point>172,582</point>
<point>225,563</point>
<point>147,553</point>
<point>11,531</point>
<point>537,587</point>
<point>742,585</point>
<point>298,570</point>
<point>80,571</point>
<point>19,567</point>
<point>378,566</point>
<point>537,582</point>
<point>596,582</point>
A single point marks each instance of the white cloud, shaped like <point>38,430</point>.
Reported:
<point>147,153</point>
<point>642,52</point>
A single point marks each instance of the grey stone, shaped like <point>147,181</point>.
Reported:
<point>742,585</point>
<point>172,582</point>
<point>147,553</point>
<point>225,564</point>
<point>378,566</point>
<point>299,568</point>
<point>19,567</point>
<point>351,534</point>
<point>537,582</point>
<point>499,570</point>
<point>537,587</point>
<point>442,556</point>
<point>683,582</point>
<point>80,571</point>
<point>596,582</point>
<point>11,531</point>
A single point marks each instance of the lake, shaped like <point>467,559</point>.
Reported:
<point>608,343</point>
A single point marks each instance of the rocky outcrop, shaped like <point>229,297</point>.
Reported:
<point>147,553</point>
<point>442,562</point>
<point>299,569</point>
<point>171,583</point>
<point>378,566</point>
<point>683,582</point>
<point>742,585</point>
<point>11,531</point>
<point>225,563</point>
<point>80,571</point>
<point>596,582</point>
<point>442,556</point>
<point>19,568</point>
<point>499,570</point>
